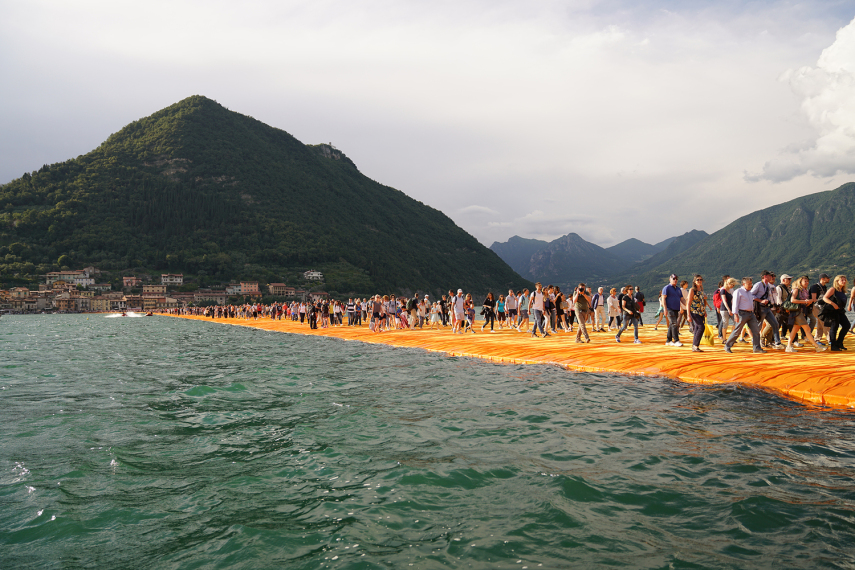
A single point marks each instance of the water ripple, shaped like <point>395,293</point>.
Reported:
<point>174,444</point>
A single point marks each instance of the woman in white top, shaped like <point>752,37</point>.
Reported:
<point>614,309</point>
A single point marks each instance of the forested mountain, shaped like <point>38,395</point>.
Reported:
<point>664,243</point>
<point>517,253</point>
<point>634,250</point>
<point>570,260</point>
<point>201,189</point>
<point>808,235</point>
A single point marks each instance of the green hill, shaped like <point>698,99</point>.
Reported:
<point>204,190</point>
<point>634,250</point>
<point>808,235</point>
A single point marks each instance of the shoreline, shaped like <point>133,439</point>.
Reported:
<point>825,379</point>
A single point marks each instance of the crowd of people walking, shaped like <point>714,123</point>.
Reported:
<point>765,314</point>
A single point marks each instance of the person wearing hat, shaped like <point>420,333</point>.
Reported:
<point>457,309</point>
<point>763,294</point>
<point>673,297</point>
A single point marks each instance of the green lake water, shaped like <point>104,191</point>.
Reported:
<point>167,443</point>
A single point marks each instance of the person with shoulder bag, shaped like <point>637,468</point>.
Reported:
<point>698,306</point>
<point>798,305</point>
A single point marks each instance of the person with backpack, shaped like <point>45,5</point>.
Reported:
<point>630,313</point>
<point>698,306</point>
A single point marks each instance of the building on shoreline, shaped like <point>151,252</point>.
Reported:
<point>174,279</point>
<point>281,290</point>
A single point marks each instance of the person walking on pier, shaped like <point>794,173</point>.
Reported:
<point>535,304</point>
<point>698,306</point>
<point>598,306</point>
<point>511,308</point>
<point>743,314</point>
<point>836,297</point>
<point>581,304</point>
<point>673,301</point>
<point>762,294</point>
<point>488,309</point>
<point>630,313</point>
<point>523,304</point>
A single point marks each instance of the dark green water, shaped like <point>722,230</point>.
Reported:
<point>165,443</point>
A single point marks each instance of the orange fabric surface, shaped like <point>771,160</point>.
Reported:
<point>826,378</point>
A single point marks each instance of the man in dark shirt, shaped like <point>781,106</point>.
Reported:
<point>673,297</point>
<point>639,301</point>
<point>817,293</point>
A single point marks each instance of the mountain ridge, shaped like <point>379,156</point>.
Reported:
<point>199,188</point>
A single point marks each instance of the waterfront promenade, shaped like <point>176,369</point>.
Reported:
<point>814,378</point>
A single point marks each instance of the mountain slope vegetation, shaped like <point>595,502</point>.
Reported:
<point>201,189</point>
<point>517,252</point>
<point>808,235</point>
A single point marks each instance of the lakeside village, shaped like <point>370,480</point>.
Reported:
<point>78,291</point>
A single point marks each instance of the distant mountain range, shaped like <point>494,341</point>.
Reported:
<point>570,259</point>
<point>808,235</point>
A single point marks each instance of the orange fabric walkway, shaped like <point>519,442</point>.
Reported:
<point>826,378</point>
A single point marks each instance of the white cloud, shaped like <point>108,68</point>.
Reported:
<point>478,210</point>
<point>828,103</point>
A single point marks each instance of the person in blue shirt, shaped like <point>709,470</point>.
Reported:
<point>762,292</point>
<point>742,310</point>
<point>673,296</point>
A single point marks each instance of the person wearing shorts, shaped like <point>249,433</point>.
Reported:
<point>523,304</point>
<point>511,308</point>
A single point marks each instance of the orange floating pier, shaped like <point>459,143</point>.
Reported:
<point>826,378</point>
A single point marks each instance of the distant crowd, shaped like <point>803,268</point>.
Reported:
<point>763,313</point>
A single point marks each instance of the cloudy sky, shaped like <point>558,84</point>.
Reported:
<point>611,119</point>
